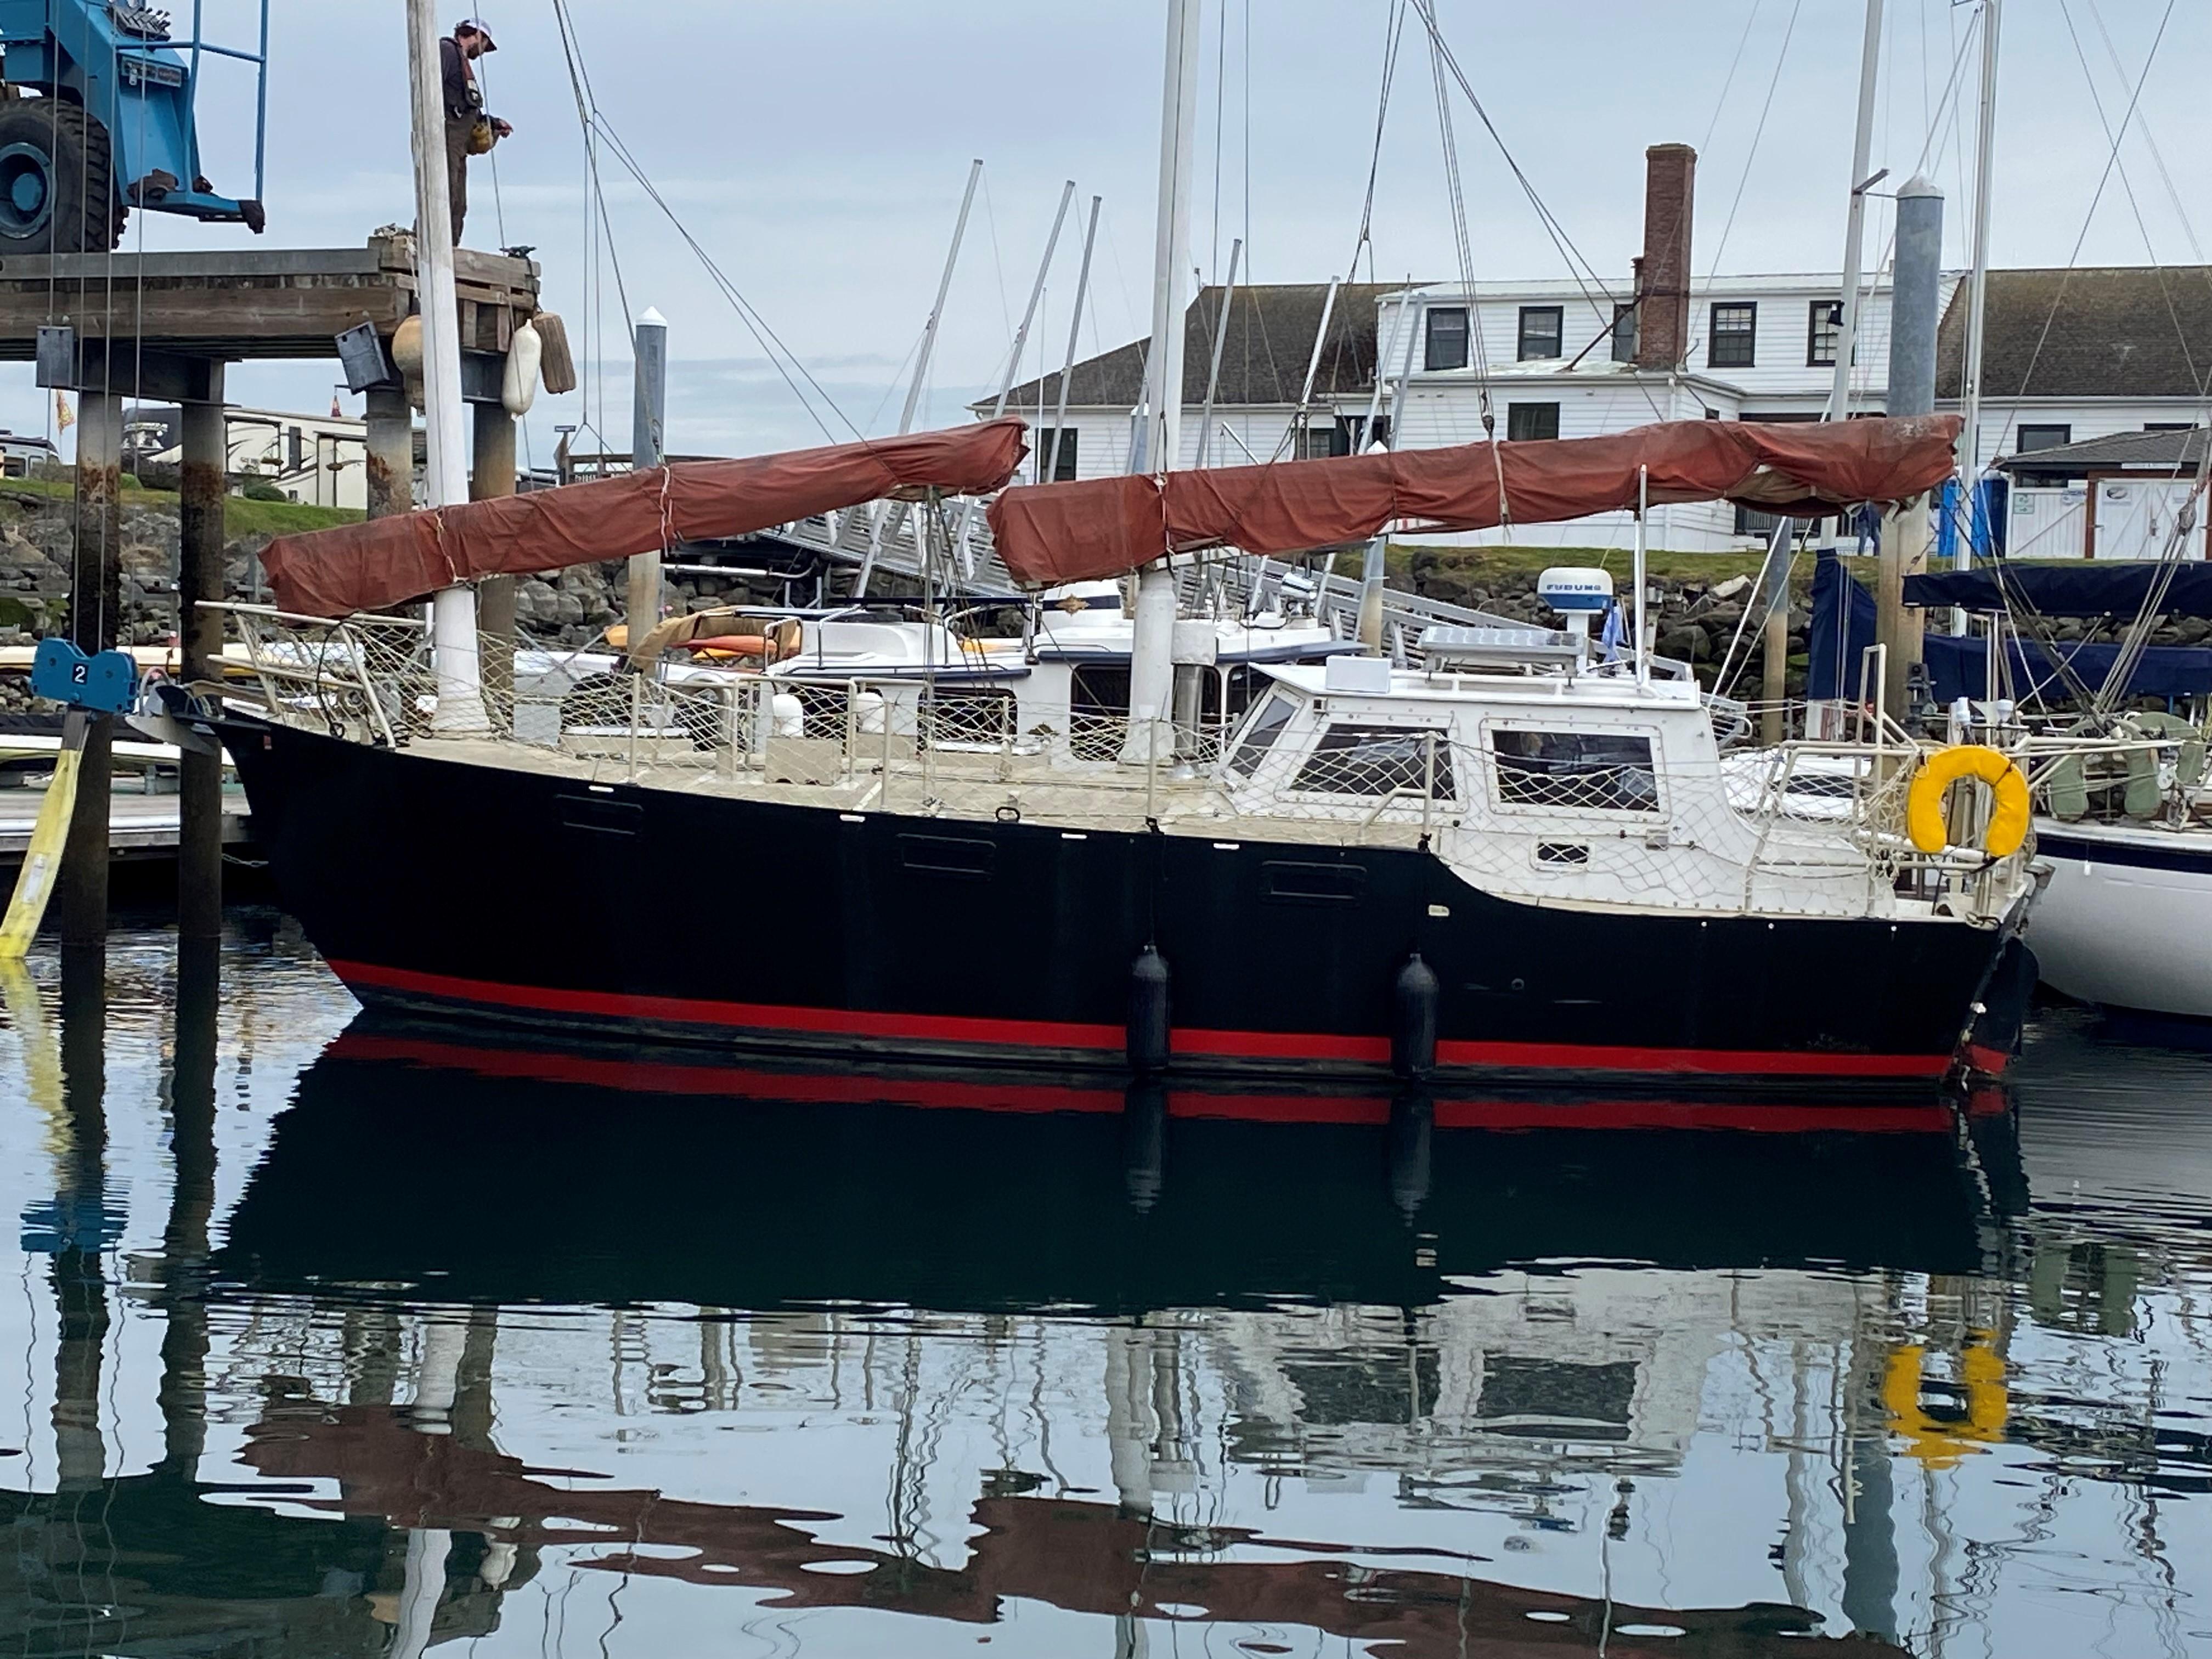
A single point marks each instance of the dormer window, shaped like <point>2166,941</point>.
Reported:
<point>1541,327</point>
<point>1447,343</point>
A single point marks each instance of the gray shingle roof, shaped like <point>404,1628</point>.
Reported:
<point>2151,451</point>
<point>2127,331</point>
<point>1268,339</point>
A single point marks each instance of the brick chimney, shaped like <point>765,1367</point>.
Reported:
<point>1662,319</point>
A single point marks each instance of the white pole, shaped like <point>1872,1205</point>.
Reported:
<point>1839,395</point>
<point>885,521</point>
<point>1313,362</point>
<point>1376,568</point>
<point>1074,329</point>
<point>1036,294</point>
<point>1151,647</point>
<point>1014,367</point>
<point>1970,447</point>
<point>1642,510</point>
<point>452,610</point>
<point>1213,369</point>
<point>1171,244</point>
<point>937,311</point>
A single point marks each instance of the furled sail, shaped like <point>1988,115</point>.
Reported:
<point>1099,527</point>
<point>360,567</point>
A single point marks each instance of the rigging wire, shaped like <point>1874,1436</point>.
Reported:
<point>1556,230</point>
<point>1579,268</point>
<point>2127,187</point>
<point>596,123</point>
<point>2112,161</point>
<point>1765,108</point>
<point>1729,80</point>
<point>2157,157</point>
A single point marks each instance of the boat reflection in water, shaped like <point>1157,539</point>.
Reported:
<point>1058,1369</point>
<point>416,1158</point>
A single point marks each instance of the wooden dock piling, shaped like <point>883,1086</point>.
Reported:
<point>95,606</point>
<point>200,571</point>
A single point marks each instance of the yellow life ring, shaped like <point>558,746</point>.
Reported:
<point>1924,804</point>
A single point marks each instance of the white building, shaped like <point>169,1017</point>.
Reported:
<point>2070,355</point>
<point>318,459</point>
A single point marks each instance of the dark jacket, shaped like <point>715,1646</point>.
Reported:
<point>464,97</point>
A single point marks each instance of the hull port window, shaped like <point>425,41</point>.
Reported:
<point>1376,760</point>
<point>1587,771</point>
<point>1260,734</point>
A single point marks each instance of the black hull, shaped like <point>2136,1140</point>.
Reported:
<point>437,887</point>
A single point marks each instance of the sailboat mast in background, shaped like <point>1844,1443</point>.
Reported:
<point>1970,371</point>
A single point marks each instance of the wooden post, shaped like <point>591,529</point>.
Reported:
<point>96,599</point>
<point>648,448</point>
<point>391,423</point>
<point>491,475</point>
<point>1774,688</point>
<point>200,578</point>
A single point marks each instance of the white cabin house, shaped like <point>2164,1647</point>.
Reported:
<point>2087,354</point>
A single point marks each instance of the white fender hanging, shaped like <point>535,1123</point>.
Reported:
<point>518,386</point>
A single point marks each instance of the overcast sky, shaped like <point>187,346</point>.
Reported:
<point>816,153</point>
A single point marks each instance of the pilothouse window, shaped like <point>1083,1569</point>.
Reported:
<point>1591,771</point>
<point>1377,760</point>
<point>1260,734</point>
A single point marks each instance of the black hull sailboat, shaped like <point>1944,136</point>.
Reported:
<point>795,928</point>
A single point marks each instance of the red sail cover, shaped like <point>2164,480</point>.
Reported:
<point>360,567</point>
<point>1062,532</point>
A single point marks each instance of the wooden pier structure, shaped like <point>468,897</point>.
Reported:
<point>165,326</point>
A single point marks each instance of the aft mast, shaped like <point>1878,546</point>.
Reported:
<point>1152,665</point>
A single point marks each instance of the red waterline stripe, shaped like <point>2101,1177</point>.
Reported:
<point>1056,1034</point>
<point>1575,1056</point>
<point>676,1079</point>
<point>685,1010</point>
<point>1989,1062</point>
<point>668,1078</point>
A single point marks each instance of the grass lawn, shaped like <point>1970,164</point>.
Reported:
<point>240,517</point>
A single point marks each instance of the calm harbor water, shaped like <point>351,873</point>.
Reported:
<point>334,1338</point>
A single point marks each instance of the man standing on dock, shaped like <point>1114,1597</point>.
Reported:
<point>469,130</point>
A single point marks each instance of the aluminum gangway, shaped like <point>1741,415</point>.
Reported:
<point>1226,586</point>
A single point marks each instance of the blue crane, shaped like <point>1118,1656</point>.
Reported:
<point>113,126</point>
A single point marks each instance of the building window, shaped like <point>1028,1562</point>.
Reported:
<point>1062,466</point>
<point>2169,426</point>
<point>1446,347</point>
<point>2049,437</point>
<point>1318,443</point>
<point>1734,329</point>
<point>1541,327</point>
<point>1624,333</point>
<point>1824,328</point>
<point>1524,422</point>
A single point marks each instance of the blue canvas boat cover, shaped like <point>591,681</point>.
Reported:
<point>1844,627</point>
<point>2076,588</point>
